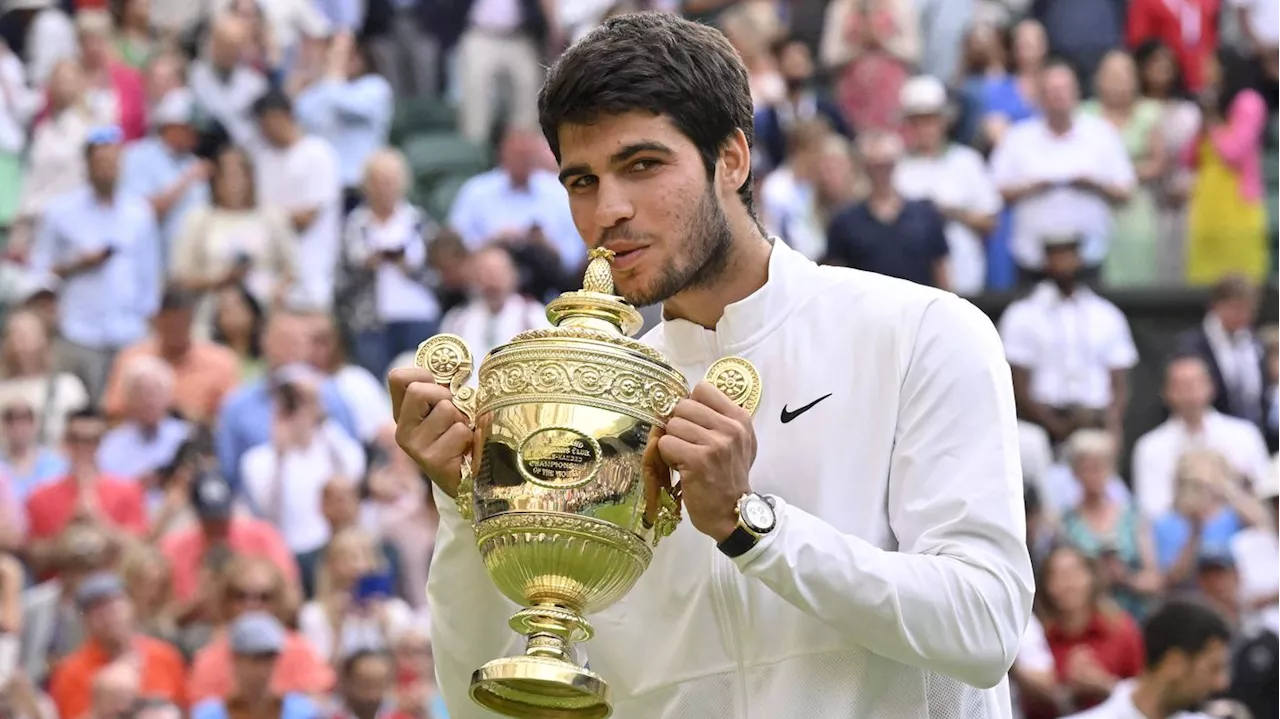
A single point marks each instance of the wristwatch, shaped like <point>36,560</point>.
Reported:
<point>756,518</point>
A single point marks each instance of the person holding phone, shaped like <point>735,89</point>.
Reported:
<point>355,606</point>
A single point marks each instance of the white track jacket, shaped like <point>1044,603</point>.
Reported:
<point>897,583</point>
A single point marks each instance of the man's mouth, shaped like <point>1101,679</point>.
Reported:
<point>629,258</point>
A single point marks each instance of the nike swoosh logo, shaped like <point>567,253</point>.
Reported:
<point>788,416</point>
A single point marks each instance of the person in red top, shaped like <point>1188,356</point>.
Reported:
<point>112,636</point>
<point>114,504</point>
<point>196,553</point>
<point>1188,27</point>
<point>1095,644</point>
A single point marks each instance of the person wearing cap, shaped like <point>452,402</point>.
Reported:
<point>163,168</point>
<point>104,245</point>
<point>204,372</point>
<point>1069,348</point>
<point>111,636</point>
<point>886,233</point>
<point>257,639</point>
<point>220,532</point>
<point>953,176</point>
<point>1061,174</point>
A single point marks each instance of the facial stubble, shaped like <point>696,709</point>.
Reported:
<point>702,255</point>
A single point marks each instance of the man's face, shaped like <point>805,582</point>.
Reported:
<point>1188,388</point>
<point>110,620</point>
<point>519,155</point>
<point>1061,92</point>
<point>369,682</point>
<point>104,166</point>
<point>638,186</point>
<point>796,64</point>
<point>149,401</point>
<point>252,673</point>
<point>173,331</point>
<point>276,126</point>
<point>340,503</point>
<point>925,133</point>
<point>82,438</point>
<point>1199,677</point>
<point>252,591</point>
<point>19,425</point>
<point>1237,314</point>
<point>1062,262</point>
<point>182,138</point>
<point>287,340</point>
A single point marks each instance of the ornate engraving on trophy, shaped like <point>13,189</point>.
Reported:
<point>559,457</point>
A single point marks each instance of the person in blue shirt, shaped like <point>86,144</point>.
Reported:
<point>256,640</point>
<point>245,419</point>
<point>1209,508</point>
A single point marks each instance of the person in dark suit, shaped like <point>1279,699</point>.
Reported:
<point>802,102</point>
<point>1230,348</point>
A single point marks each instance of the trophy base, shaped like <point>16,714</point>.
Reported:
<point>535,687</point>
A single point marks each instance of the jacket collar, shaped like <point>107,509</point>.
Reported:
<point>748,320</point>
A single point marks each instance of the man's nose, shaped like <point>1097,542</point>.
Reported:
<point>613,203</point>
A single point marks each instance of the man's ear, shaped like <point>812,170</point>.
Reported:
<point>734,164</point>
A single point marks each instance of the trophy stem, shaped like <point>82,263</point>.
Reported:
<point>551,630</point>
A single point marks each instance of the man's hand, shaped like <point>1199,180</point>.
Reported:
<point>709,440</point>
<point>429,428</point>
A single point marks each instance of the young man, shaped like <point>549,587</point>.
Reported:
<point>891,578</point>
<point>1187,662</point>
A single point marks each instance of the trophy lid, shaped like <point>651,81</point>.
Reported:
<point>595,306</point>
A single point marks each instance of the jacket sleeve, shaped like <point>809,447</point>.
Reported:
<point>469,615</point>
<point>955,596</point>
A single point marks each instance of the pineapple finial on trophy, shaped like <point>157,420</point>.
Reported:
<point>599,277</point>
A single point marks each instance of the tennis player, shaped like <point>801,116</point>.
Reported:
<point>855,551</point>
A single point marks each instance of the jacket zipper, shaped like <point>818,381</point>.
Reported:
<point>728,611</point>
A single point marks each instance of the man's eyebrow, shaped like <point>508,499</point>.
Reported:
<point>618,157</point>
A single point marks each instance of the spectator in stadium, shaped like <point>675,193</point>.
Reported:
<point>85,494</point>
<point>1192,423</point>
<point>402,512</point>
<point>366,678</point>
<point>496,312</point>
<point>1189,29</point>
<point>953,177</point>
<point>351,107</point>
<point>355,605</point>
<point>44,35</point>
<point>28,464</point>
<point>789,194</point>
<point>224,85</point>
<point>364,394</point>
<point>1187,662</point>
<point>496,41</point>
<point>416,693</point>
<point>448,256</point>
<point>1131,256</point>
<point>887,233</point>
<point>146,576</point>
<point>113,691</point>
<point>115,91</point>
<point>134,41</point>
<point>1094,643</point>
<point>245,419</point>
<point>18,106</point>
<point>384,295</point>
<point>29,377</point>
<point>52,626</point>
<point>237,323</point>
<point>1011,95</point>
<point>1256,551</point>
<point>112,635</point>
<point>252,585</point>
<point>258,645</point>
<point>1070,349</point>
<point>1107,528</point>
<point>514,197</point>
<point>1226,217</point>
<point>163,168</point>
<point>298,174</point>
<point>148,436</point>
<point>1209,508</point>
<point>204,372</point>
<point>870,46</point>
<point>235,240</point>
<point>341,506</point>
<point>164,72</point>
<point>1061,174</point>
<point>1230,349</point>
<point>802,102</point>
<point>1160,80</point>
<point>104,245</point>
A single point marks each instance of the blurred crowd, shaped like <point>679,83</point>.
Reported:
<point>223,221</point>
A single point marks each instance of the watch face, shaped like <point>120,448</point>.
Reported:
<point>757,514</point>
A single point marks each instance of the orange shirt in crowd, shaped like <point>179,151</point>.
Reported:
<point>184,549</point>
<point>299,669</point>
<point>51,508</point>
<point>163,674</point>
<point>202,378</point>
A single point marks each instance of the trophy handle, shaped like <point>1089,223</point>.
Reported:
<point>738,379</point>
<point>447,358</point>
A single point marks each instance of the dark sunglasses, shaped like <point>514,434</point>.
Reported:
<point>240,595</point>
<point>83,438</point>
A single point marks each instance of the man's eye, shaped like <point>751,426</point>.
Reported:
<point>642,165</point>
<point>582,182</point>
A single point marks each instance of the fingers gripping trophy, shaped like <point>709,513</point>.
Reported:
<point>562,486</point>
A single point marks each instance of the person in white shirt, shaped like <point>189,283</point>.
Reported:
<point>892,578</point>
<point>298,175</point>
<point>1256,551</point>
<point>1070,350</point>
<point>496,312</point>
<point>953,176</point>
<point>1192,424</point>
<point>1061,173</point>
<point>225,87</point>
<point>1188,661</point>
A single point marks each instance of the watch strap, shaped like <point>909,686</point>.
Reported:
<point>738,543</point>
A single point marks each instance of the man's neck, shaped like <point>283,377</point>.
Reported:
<point>1148,698</point>
<point>1059,124</point>
<point>885,203</point>
<point>113,649</point>
<point>1066,287</point>
<point>104,195</point>
<point>382,212</point>
<point>746,270</point>
<point>1193,421</point>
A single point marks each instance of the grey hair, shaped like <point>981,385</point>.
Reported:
<point>1088,443</point>
<point>145,368</point>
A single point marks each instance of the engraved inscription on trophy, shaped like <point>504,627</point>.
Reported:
<point>559,457</point>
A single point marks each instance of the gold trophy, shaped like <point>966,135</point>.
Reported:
<point>564,515</point>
